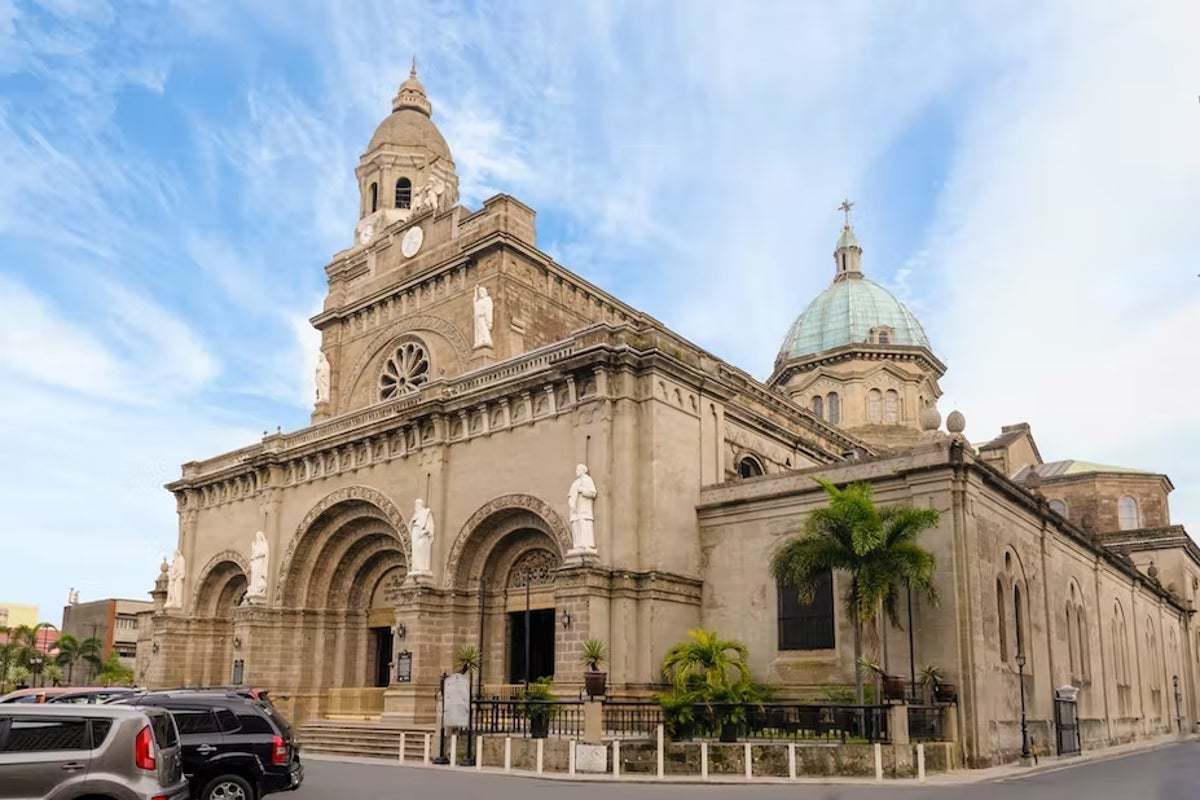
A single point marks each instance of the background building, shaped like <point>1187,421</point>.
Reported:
<point>15,614</point>
<point>113,621</point>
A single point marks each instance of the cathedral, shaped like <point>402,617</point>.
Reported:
<point>501,452</point>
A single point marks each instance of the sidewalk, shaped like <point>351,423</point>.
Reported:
<point>960,777</point>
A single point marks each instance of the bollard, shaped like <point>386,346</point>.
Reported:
<point>453,750</point>
<point>704,761</point>
<point>661,770</point>
<point>428,737</point>
<point>616,758</point>
<point>921,762</point>
<point>540,745</point>
<point>508,754</point>
<point>478,753</point>
<point>878,761</point>
<point>403,742</point>
<point>792,760</point>
<point>749,762</point>
<point>570,756</point>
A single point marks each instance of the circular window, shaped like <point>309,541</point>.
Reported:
<point>406,369</point>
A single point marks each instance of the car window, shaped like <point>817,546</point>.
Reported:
<point>191,721</point>
<point>227,722</point>
<point>100,729</point>
<point>42,734</point>
<point>253,723</point>
<point>164,730</point>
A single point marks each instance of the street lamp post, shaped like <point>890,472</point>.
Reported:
<point>1024,723</point>
<point>35,666</point>
<point>1178,713</point>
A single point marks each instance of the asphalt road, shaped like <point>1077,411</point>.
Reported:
<point>1166,773</point>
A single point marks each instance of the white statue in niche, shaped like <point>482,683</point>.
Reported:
<point>260,556</point>
<point>483,317</point>
<point>581,501</point>
<point>421,529</point>
<point>322,378</point>
<point>175,575</point>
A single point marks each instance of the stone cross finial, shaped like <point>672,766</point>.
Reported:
<point>846,206</point>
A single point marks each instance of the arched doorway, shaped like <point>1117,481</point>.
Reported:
<point>220,590</point>
<point>507,558</point>
<point>338,580</point>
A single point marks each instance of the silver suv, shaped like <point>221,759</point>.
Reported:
<point>61,752</point>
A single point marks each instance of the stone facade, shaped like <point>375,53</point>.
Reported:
<point>700,470</point>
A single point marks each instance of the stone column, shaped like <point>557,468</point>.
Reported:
<point>427,616</point>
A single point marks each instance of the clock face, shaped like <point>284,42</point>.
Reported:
<point>366,233</point>
<point>411,242</point>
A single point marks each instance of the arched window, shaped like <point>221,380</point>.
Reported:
<point>818,406</point>
<point>749,467</point>
<point>1129,516</point>
<point>1072,653</point>
<point>885,337</point>
<point>874,406</point>
<point>404,193</point>
<point>834,404</point>
<point>1000,617</point>
<point>374,197</point>
<point>1058,507</point>
<point>891,407</point>
<point>807,626</point>
<point>1019,615</point>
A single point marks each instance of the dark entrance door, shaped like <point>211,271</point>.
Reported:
<point>1066,717</point>
<point>383,655</point>
<point>541,645</point>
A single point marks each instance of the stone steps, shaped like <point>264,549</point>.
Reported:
<point>367,739</point>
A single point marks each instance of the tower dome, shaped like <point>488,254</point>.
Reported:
<point>858,358</point>
<point>411,122</point>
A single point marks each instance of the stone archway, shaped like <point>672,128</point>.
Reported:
<point>508,542</point>
<point>350,543</point>
<point>221,585</point>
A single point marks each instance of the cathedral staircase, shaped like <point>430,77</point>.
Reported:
<point>364,739</point>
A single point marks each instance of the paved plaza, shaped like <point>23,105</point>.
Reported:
<point>1171,772</point>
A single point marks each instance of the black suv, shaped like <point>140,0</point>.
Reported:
<point>234,747</point>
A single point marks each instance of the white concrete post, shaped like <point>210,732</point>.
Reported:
<point>508,754</point>
<point>661,770</point>
<point>428,736</point>
<point>792,760</point>
<point>616,758</point>
<point>878,761</point>
<point>704,761</point>
<point>749,762</point>
<point>921,762</point>
<point>541,743</point>
<point>403,743</point>
<point>570,756</point>
<point>453,750</point>
<point>478,753</point>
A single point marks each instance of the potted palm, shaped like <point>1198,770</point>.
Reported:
<point>537,706</point>
<point>933,681</point>
<point>467,658</point>
<point>593,655</point>
<point>679,714</point>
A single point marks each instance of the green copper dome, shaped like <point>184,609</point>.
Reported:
<point>848,311</point>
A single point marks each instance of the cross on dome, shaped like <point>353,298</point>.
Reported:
<point>846,206</point>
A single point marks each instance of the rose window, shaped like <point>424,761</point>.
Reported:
<point>404,372</point>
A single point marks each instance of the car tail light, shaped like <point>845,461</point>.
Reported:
<point>278,751</point>
<point>143,750</point>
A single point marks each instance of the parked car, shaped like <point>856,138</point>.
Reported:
<point>42,694</point>
<point>234,746</point>
<point>92,696</point>
<point>63,752</point>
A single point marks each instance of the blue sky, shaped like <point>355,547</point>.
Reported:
<point>176,175</point>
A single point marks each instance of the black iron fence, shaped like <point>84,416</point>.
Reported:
<point>925,723</point>
<point>632,719</point>
<point>533,718</point>
<point>731,722</point>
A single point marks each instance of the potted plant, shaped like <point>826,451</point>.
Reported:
<point>467,658</point>
<point>537,706</point>
<point>933,680</point>
<point>593,655</point>
<point>893,687</point>
<point>679,714</point>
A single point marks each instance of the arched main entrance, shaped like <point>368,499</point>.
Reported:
<point>221,588</point>
<point>507,556</point>
<point>338,581</point>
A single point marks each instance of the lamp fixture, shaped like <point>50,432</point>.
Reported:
<point>154,648</point>
<point>401,631</point>
<point>1020,660</point>
<point>566,619</point>
<point>237,643</point>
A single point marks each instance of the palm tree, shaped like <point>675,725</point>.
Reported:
<point>68,654</point>
<point>876,546</point>
<point>707,662</point>
<point>27,638</point>
<point>91,652</point>
<point>8,657</point>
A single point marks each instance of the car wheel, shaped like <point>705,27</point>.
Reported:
<point>228,787</point>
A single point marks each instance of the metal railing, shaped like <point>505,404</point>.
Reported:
<point>925,723</point>
<point>632,718</point>
<point>533,718</point>
<point>750,721</point>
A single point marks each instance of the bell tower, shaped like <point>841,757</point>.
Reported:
<point>406,168</point>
